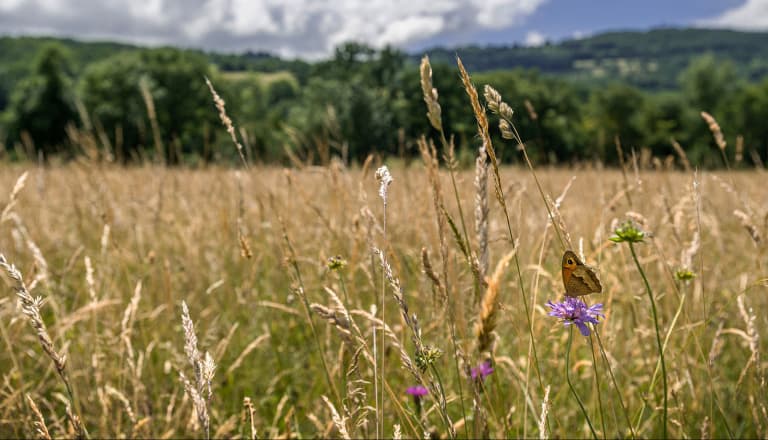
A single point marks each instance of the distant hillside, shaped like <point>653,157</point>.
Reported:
<point>17,55</point>
<point>651,60</point>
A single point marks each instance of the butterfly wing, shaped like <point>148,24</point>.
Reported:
<point>582,281</point>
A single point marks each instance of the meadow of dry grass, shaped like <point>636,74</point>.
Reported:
<point>114,252</point>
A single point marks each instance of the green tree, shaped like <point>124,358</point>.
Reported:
<point>183,106</point>
<point>41,105</point>
<point>664,117</point>
<point>614,111</point>
<point>547,112</point>
<point>751,123</point>
<point>708,82</point>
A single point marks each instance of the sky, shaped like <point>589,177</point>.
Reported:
<point>310,29</point>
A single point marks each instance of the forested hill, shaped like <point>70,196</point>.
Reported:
<point>651,60</point>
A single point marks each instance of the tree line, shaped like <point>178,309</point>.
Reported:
<point>153,104</point>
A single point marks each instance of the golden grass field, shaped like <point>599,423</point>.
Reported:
<point>243,249</point>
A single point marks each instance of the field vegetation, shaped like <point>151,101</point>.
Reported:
<point>395,298</point>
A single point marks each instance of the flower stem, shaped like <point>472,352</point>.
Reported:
<point>658,336</point>
<point>615,385</point>
<point>570,385</point>
<point>597,384</point>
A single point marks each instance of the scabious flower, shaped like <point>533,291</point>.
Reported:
<point>481,371</point>
<point>417,391</point>
<point>575,311</point>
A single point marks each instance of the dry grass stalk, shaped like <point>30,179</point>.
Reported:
<point>429,271</point>
<point>17,187</point>
<point>89,281</point>
<point>126,327</point>
<point>221,107</point>
<point>248,413</point>
<point>704,430</point>
<point>429,156</point>
<point>681,154</point>
<point>397,292</point>
<point>481,209</point>
<point>110,390</point>
<point>747,223</point>
<point>531,110</point>
<point>40,262</point>
<point>149,103</point>
<point>405,359</point>
<point>482,120</point>
<point>717,346</point>
<point>245,248</point>
<point>385,179</point>
<point>31,308</point>
<point>201,407</point>
<point>751,335</point>
<point>543,418</point>
<point>246,351</point>
<point>486,323</point>
<point>494,102</point>
<point>425,354</point>
<point>434,113</point>
<point>338,421</point>
<point>203,367</point>
<point>105,238</point>
<point>397,434</point>
<point>687,254</point>
<point>739,156</point>
<point>41,430</point>
<point>77,424</point>
<point>714,127</point>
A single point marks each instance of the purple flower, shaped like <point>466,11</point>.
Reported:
<point>575,311</point>
<point>481,371</point>
<point>417,391</point>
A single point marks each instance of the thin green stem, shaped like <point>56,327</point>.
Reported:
<point>303,295</point>
<point>658,335</point>
<point>458,371</point>
<point>538,185</point>
<point>597,385</point>
<point>380,406</point>
<point>570,385</point>
<point>442,404</point>
<point>615,385</point>
<point>521,283</point>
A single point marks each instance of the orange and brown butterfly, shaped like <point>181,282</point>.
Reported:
<point>578,278</point>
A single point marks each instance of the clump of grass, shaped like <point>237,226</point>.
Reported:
<point>30,306</point>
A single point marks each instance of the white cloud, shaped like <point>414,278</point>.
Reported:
<point>409,28</point>
<point>752,15</point>
<point>309,28</point>
<point>535,38</point>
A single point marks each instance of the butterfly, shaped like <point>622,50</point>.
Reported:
<point>578,278</point>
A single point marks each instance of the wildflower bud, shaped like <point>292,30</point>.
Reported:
<point>684,274</point>
<point>628,232</point>
<point>337,263</point>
